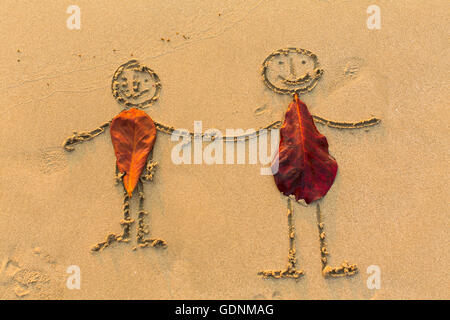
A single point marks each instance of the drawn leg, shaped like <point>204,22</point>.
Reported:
<point>291,270</point>
<point>142,228</point>
<point>345,269</point>
<point>126,223</point>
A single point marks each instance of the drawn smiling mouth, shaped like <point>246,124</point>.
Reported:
<point>134,95</point>
<point>301,80</point>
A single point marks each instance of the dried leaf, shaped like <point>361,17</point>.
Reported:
<point>305,168</point>
<point>133,135</point>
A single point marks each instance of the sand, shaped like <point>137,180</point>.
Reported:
<point>223,223</point>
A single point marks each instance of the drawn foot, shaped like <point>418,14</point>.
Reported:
<point>291,270</point>
<point>345,270</point>
<point>155,243</point>
<point>111,238</point>
<point>278,274</point>
<point>142,231</point>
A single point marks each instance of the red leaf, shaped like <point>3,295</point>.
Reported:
<point>133,135</point>
<point>306,169</point>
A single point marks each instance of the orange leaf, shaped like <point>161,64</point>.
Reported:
<point>133,135</point>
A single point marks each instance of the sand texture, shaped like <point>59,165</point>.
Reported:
<point>224,223</point>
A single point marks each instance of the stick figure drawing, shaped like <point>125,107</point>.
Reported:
<point>133,134</point>
<point>303,169</point>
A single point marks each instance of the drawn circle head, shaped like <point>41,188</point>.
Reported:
<point>291,70</point>
<point>135,85</point>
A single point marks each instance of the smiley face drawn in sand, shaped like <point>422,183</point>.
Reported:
<point>291,70</point>
<point>135,85</point>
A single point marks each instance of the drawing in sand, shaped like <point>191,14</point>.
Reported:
<point>303,169</point>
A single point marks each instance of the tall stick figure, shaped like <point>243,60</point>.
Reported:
<point>303,169</point>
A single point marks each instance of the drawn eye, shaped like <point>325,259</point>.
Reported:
<point>280,62</point>
<point>303,61</point>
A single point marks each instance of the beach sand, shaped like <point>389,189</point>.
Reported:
<point>224,223</point>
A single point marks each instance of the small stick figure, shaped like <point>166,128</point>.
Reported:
<point>303,169</point>
<point>133,134</point>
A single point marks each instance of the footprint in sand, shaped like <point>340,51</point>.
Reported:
<point>356,91</point>
<point>351,67</point>
<point>7,270</point>
<point>33,281</point>
<point>345,72</point>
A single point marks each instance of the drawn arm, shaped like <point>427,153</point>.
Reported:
<point>347,125</point>
<point>79,137</point>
